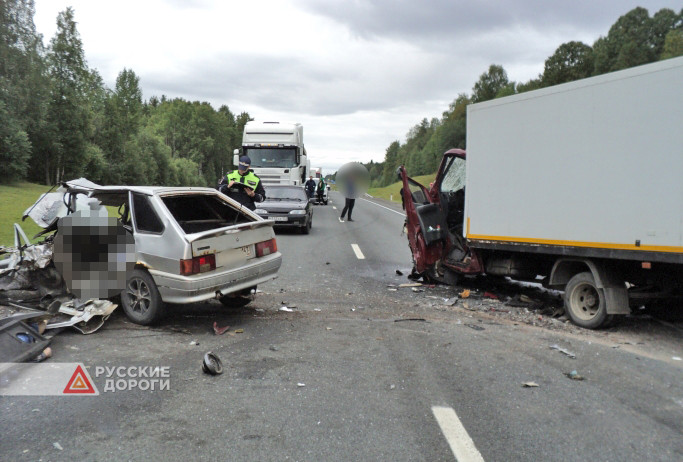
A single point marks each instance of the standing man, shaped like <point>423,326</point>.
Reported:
<point>310,187</point>
<point>350,200</point>
<point>243,185</point>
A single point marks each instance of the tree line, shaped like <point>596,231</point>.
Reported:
<point>634,39</point>
<point>59,121</point>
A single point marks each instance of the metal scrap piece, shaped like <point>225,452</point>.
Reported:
<point>87,320</point>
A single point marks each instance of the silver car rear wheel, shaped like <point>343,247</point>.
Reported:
<point>141,299</point>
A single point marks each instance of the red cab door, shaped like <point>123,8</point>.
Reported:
<point>425,223</point>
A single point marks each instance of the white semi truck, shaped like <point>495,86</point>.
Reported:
<point>580,184</point>
<point>277,152</point>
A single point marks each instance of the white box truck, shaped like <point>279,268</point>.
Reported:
<point>277,152</point>
<point>580,183</point>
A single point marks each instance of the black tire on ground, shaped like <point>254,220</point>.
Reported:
<point>141,299</point>
<point>325,201</point>
<point>235,302</point>
<point>584,302</point>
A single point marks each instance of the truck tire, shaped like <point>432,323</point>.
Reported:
<point>584,302</point>
<point>141,299</point>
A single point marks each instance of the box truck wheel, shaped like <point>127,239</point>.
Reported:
<point>141,299</point>
<point>584,303</point>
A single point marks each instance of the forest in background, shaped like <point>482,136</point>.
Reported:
<point>635,38</point>
<point>59,121</point>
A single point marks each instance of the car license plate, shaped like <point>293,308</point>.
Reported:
<point>279,218</point>
<point>247,250</point>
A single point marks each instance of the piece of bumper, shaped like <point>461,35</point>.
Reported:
<point>182,289</point>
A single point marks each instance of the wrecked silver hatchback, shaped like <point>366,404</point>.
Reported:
<point>154,245</point>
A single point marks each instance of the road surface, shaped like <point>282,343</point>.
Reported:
<point>357,371</point>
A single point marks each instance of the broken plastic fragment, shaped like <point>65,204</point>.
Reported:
<point>284,308</point>
<point>530,384</point>
<point>465,293</point>
<point>574,375</point>
<point>219,330</point>
<point>563,351</point>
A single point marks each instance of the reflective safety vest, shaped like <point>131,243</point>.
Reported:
<point>250,179</point>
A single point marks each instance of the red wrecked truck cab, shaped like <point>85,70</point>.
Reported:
<point>435,222</point>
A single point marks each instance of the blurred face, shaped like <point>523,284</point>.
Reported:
<point>242,168</point>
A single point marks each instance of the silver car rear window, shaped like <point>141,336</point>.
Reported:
<point>202,212</point>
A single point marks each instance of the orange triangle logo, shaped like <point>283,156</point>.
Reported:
<point>79,383</point>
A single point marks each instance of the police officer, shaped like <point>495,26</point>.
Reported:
<point>243,185</point>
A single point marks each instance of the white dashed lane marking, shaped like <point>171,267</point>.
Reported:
<point>387,208</point>
<point>460,442</point>
<point>357,251</point>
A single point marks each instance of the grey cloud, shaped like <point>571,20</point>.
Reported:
<point>294,85</point>
<point>447,19</point>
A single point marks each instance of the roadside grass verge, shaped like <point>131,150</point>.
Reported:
<point>14,200</point>
<point>391,192</point>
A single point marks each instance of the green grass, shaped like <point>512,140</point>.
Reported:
<point>391,192</point>
<point>14,199</point>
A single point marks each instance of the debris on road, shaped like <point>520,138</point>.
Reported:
<point>300,384</point>
<point>284,308</point>
<point>399,272</point>
<point>465,293</point>
<point>219,330</point>
<point>410,284</point>
<point>416,290</point>
<point>676,358</point>
<point>474,326</point>
<point>194,343</point>
<point>491,295</point>
<point>239,331</point>
<point>574,375</point>
<point>410,319</point>
<point>57,446</point>
<point>530,385</point>
<point>86,317</point>
<point>563,351</point>
<point>212,364</point>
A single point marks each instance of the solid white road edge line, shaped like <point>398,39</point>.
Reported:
<point>357,251</point>
<point>460,442</point>
<point>391,210</point>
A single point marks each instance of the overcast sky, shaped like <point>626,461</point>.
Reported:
<point>357,73</point>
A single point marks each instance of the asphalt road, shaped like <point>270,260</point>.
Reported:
<point>347,375</point>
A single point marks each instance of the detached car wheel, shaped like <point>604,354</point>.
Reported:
<point>141,299</point>
<point>584,302</point>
